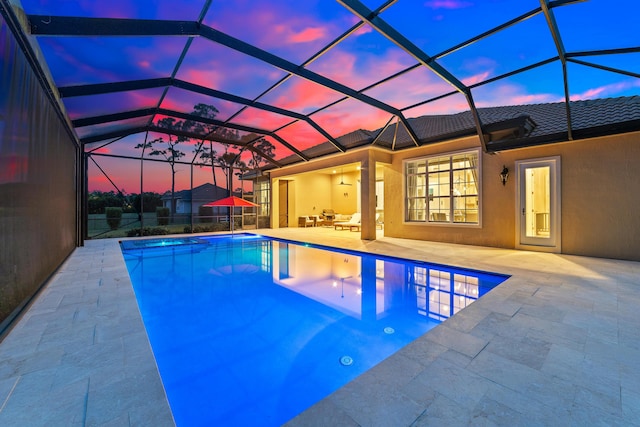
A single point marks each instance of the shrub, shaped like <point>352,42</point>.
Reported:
<point>162,214</point>
<point>147,231</point>
<point>205,214</point>
<point>114,217</point>
<point>199,228</point>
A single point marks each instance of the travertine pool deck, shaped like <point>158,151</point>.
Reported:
<point>556,344</point>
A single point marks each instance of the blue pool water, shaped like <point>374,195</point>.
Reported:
<point>248,330</point>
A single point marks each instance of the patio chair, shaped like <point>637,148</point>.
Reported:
<point>317,220</point>
<point>305,221</point>
<point>328,216</point>
<point>354,222</point>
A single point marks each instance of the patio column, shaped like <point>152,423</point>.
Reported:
<point>368,196</point>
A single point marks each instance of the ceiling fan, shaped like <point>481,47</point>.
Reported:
<point>342,179</point>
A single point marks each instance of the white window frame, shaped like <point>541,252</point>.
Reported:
<point>451,220</point>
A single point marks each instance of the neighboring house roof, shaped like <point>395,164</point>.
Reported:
<point>205,192</point>
<point>505,127</point>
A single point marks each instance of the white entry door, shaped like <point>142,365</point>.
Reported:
<point>538,204</point>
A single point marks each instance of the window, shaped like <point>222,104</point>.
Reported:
<point>262,190</point>
<point>443,189</point>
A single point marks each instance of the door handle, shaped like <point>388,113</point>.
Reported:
<point>523,211</point>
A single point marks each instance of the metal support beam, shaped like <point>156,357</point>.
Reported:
<point>157,129</point>
<point>88,121</point>
<point>605,68</point>
<point>372,18</point>
<point>74,26</point>
<point>107,118</point>
<point>604,52</point>
<point>102,88</point>
<point>555,33</point>
<point>381,131</point>
<point>47,25</point>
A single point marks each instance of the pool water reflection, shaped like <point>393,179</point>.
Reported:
<point>249,330</point>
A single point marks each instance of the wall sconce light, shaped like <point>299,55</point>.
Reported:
<point>504,175</point>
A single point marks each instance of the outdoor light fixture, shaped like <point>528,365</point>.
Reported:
<point>342,179</point>
<point>504,175</point>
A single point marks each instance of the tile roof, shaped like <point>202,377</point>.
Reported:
<point>589,118</point>
<point>205,191</point>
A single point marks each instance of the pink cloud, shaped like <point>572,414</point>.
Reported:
<point>359,70</point>
<point>102,150</point>
<point>410,88</point>
<point>510,94</point>
<point>496,95</point>
<point>307,35</point>
<point>301,95</point>
<point>536,98</point>
<point>261,119</point>
<point>477,78</point>
<point>447,4</point>
<point>606,90</point>
<point>276,25</point>
<point>364,29</point>
<point>350,115</point>
<point>210,77</point>
<point>301,135</point>
<point>99,183</point>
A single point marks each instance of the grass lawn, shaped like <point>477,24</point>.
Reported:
<point>99,229</point>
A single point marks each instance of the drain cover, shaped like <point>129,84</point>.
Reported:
<point>388,330</point>
<point>346,360</point>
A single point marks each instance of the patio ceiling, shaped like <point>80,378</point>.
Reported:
<point>289,81</point>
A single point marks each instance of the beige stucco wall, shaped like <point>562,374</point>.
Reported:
<point>600,194</point>
<point>344,198</point>
<point>498,201</point>
<point>308,189</point>
<point>312,194</point>
<point>600,197</point>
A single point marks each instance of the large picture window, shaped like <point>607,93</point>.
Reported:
<point>443,189</point>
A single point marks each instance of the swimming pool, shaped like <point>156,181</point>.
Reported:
<point>248,330</point>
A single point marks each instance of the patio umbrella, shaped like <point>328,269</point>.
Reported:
<point>231,202</point>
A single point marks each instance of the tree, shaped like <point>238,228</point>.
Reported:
<point>151,201</point>
<point>171,153</point>
<point>265,147</point>
<point>97,201</point>
<point>207,153</point>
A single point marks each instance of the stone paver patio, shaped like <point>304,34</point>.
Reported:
<point>556,344</point>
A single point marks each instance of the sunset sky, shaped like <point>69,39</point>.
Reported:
<point>295,31</point>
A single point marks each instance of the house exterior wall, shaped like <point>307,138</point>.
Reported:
<point>600,194</point>
<point>304,195</point>
<point>600,197</point>
<point>311,202</point>
<point>344,197</point>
